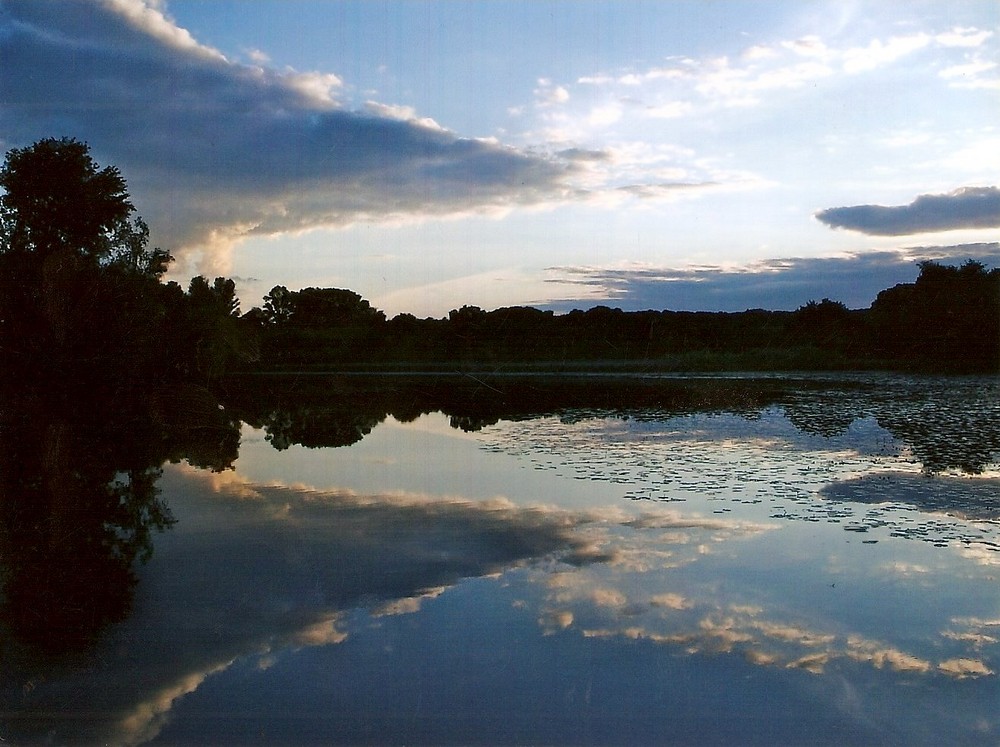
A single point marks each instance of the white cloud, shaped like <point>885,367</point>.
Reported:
<point>688,87</point>
<point>878,53</point>
<point>669,110</point>
<point>548,94</point>
<point>905,139</point>
<point>963,37</point>
<point>602,116</point>
<point>979,155</point>
<point>807,46</point>
<point>793,76</point>
<point>759,52</point>
<point>259,56</point>
<point>149,18</point>
<point>595,80</point>
<point>404,114</point>
<point>968,69</point>
<point>974,72</point>
<point>318,88</point>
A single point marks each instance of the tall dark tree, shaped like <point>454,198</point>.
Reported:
<point>279,305</point>
<point>826,324</point>
<point>57,197</point>
<point>948,319</point>
<point>81,288</point>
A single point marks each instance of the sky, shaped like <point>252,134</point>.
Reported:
<point>428,154</point>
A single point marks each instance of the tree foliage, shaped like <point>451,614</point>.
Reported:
<point>947,320</point>
<point>57,197</point>
<point>82,292</point>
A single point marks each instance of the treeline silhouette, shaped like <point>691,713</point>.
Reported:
<point>82,293</point>
<point>83,297</point>
<point>948,320</point>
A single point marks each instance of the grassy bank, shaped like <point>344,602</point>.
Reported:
<point>709,361</point>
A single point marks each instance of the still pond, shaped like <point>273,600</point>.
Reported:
<point>815,565</point>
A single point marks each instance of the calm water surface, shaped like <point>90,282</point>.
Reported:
<point>819,569</point>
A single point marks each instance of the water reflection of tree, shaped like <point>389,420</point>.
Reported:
<point>953,429</point>
<point>340,410</point>
<point>79,505</point>
<point>948,423</point>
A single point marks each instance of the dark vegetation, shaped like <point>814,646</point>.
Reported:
<point>82,296</point>
<point>947,321</point>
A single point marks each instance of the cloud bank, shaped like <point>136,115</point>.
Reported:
<point>214,150</point>
<point>776,284</point>
<point>970,207</point>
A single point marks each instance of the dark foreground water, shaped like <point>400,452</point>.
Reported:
<point>815,566</point>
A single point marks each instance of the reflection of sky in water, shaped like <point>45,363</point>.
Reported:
<point>627,623</point>
<point>696,579</point>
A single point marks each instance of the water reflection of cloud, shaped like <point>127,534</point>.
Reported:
<point>777,644</point>
<point>408,605</point>
<point>253,570</point>
<point>145,720</point>
<point>670,601</point>
<point>284,563</point>
<point>964,668</point>
<point>972,498</point>
<point>616,601</point>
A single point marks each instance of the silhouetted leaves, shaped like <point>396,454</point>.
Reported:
<point>948,320</point>
<point>81,291</point>
<point>56,197</point>
<point>97,389</point>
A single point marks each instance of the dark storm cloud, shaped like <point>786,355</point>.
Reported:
<point>213,149</point>
<point>779,284</point>
<point>971,207</point>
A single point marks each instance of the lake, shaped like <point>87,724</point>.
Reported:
<point>732,559</point>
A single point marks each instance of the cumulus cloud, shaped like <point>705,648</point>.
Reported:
<point>775,284</point>
<point>214,149</point>
<point>963,37</point>
<point>969,207</point>
<point>632,170</point>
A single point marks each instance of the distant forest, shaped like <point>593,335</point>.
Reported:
<point>83,298</point>
<point>947,321</point>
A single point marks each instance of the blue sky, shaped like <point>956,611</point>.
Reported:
<point>713,155</point>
